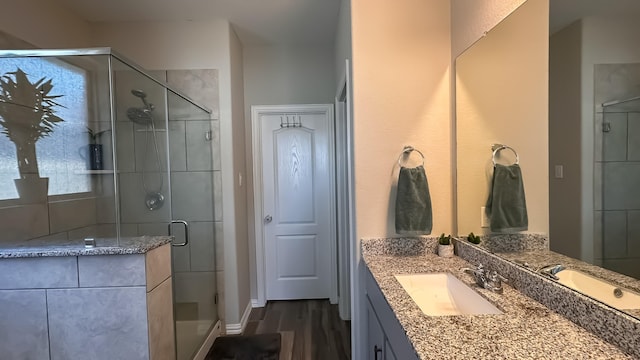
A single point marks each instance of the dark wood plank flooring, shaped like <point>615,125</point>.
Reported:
<point>310,329</point>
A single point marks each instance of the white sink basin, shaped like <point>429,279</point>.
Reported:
<point>599,289</point>
<point>440,294</point>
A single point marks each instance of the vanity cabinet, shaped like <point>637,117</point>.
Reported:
<point>386,339</point>
<point>378,346</point>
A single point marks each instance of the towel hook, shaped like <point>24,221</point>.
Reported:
<point>407,151</point>
<point>498,147</point>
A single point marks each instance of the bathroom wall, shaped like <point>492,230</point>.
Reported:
<point>401,69</point>
<point>471,19</point>
<point>565,107</point>
<point>342,41</point>
<point>276,75</point>
<point>401,96</point>
<point>239,177</point>
<point>44,24</point>
<point>8,41</point>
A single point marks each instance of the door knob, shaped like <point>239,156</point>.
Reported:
<point>268,219</point>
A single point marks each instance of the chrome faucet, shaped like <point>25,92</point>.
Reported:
<point>551,270</point>
<point>487,279</point>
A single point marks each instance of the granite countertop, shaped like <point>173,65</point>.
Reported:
<point>536,259</point>
<point>526,330</point>
<point>104,246</point>
<point>539,258</point>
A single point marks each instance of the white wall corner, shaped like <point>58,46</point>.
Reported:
<point>238,328</point>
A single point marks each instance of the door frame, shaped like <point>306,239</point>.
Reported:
<point>344,176</point>
<point>256,129</point>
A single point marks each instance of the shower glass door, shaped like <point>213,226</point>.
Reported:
<point>191,173</point>
<point>618,205</point>
<point>165,161</point>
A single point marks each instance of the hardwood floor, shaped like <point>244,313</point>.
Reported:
<point>310,329</point>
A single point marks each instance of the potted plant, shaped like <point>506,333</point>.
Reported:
<point>472,238</point>
<point>445,246</point>
<point>27,114</point>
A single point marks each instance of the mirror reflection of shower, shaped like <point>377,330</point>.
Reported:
<point>144,116</point>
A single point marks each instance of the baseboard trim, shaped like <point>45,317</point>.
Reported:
<point>257,304</point>
<point>208,342</point>
<point>237,329</point>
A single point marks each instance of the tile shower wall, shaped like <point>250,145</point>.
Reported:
<point>617,169</point>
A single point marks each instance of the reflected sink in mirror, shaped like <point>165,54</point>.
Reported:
<point>442,294</point>
<point>598,289</point>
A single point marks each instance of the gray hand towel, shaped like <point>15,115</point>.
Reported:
<point>507,206</point>
<point>413,202</point>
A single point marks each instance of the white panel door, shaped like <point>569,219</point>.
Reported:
<point>296,205</point>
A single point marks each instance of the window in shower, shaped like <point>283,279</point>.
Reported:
<point>61,154</point>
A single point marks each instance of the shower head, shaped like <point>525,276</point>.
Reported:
<point>140,116</point>
<point>139,93</point>
<point>143,96</point>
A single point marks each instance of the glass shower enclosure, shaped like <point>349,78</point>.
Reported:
<point>617,177</point>
<point>93,146</point>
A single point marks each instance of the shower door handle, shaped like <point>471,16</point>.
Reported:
<point>186,232</point>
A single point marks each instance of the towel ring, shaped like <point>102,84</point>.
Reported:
<point>406,151</point>
<point>496,149</point>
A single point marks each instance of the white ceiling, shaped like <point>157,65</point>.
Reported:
<point>257,22</point>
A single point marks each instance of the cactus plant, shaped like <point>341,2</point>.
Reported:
<point>444,240</point>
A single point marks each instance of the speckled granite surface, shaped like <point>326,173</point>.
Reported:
<point>515,242</point>
<point>531,251</point>
<point>526,330</point>
<point>538,259</point>
<point>612,325</point>
<point>131,245</point>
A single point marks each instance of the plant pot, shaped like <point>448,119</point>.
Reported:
<point>32,190</point>
<point>445,250</point>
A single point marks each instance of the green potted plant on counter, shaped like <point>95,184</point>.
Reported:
<point>474,239</point>
<point>445,246</point>
<point>27,114</point>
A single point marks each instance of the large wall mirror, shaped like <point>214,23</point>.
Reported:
<point>559,82</point>
<point>501,97</point>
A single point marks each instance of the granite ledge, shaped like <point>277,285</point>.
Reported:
<point>109,246</point>
<point>523,331</point>
<point>538,259</point>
